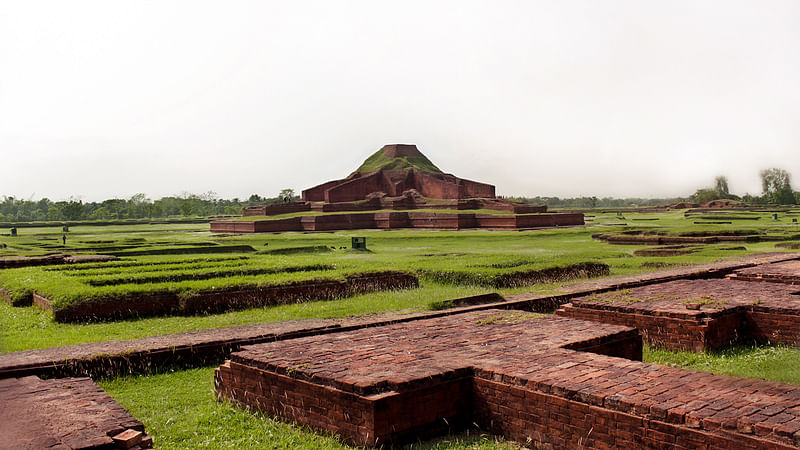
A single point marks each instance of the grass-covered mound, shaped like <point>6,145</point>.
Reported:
<point>524,274</point>
<point>123,289</point>
<point>381,161</point>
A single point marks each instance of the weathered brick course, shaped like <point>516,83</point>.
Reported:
<point>699,314</point>
<point>64,413</point>
<point>529,378</point>
<point>400,219</point>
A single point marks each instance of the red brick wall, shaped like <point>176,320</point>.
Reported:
<point>356,189</point>
<point>355,221</point>
<point>471,189</point>
<point>540,220</point>
<point>277,208</point>
<point>317,193</point>
<point>361,420</point>
<point>544,420</point>
<point>777,327</point>
<point>774,327</point>
<point>290,224</point>
<point>668,332</point>
<point>495,221</point>
<point>234,226</point>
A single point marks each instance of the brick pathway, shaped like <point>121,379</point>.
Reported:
<point>68,413</point>
<point>528,377</point>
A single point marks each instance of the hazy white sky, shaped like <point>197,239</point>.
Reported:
<point>609,98</point>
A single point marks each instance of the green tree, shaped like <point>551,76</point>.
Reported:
<point>721,186</point>
<point>719,191</point>
<point>777,186</point>
<point>287,193</point>
<point>704,195</point>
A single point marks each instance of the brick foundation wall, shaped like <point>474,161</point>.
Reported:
<point>773,327</point>
<point>670,332</point>
<point>276,208</point>
<point>357,188</point>
<point>233,226</point>
<point>226,299</point>
<point>526,415</point>
<point>549,220</point>
<point>355,221</point>
<point>317,193</point>
<point>545,420</point>
<point>572,401</point>
<point>369,420</point>
<point>707,333</point>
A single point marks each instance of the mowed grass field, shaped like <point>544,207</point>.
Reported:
<point>179,408</point>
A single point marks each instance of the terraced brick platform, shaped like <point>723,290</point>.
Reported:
<point>541,380</point>
<point>398,219</point>
<point>703,314</point>
<point>67,413</point>
<point>785,272</point>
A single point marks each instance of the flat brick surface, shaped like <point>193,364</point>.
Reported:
<point>783,272</point>
<point>67,413</point>
<point>712,297</point>
<point>546,380</point>
<point>136,354</point>
<point>189,349</point>
<point>699,314</point>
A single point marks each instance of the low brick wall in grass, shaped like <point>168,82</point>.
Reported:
<point>27,300</point>
<point>12,262</point>
<point>226,299</point>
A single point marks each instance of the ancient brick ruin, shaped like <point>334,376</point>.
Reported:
<point>542,380</point>
<point>393,179</point>
<point>698,315</point>
<point>68,413</point>
<point>400,219</point>
<point>545,380</point>
<point>397,178</point>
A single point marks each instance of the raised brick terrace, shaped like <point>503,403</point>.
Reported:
<point>784,272</point>
<point>67,413</point>
<point>537,379</point>
<point>699,314</point>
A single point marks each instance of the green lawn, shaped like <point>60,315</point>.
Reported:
<point>179,409</point>
<point>776,363</point>
<point>474,257</point>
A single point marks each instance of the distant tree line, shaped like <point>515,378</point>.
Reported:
<point>775,183</point>
<point>776,189</point>
<point>596,202</point>
<point>137,206</point>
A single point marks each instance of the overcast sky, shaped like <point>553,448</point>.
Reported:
<point>609,98</point>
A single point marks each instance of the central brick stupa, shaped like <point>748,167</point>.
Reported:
<point>393,170</point>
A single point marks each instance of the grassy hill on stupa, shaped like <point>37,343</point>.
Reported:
<point>382,160</point>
